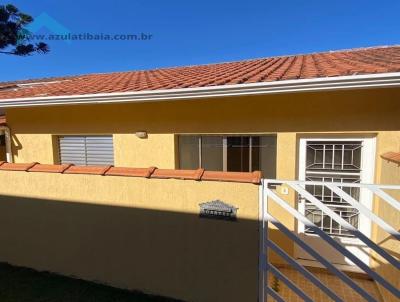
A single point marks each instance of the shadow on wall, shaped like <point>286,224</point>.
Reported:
<point>177,255</point>
<point>173,254</point>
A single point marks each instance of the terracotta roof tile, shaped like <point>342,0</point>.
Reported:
<point>318,65</point>
<point>390,156</point>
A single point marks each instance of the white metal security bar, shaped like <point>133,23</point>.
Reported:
<point>340,190</point>
<point>333,160</point>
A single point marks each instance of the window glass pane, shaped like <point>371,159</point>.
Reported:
<point>238,153</point>
<point>212,153</point>
<point>334,156</point>
<point>189,152</point>
<point>255,153</point>
<point>3,156</point>
<point>263,153</point>
<point>267,147</point>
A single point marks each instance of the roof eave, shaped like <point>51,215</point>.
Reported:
<point>369,81</point>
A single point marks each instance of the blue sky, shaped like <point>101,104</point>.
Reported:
<point>200,32</point>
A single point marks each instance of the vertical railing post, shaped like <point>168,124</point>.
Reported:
<point>266,238</point>
<point>262,267</point>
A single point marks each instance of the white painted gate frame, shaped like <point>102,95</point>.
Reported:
<point>265,218</point>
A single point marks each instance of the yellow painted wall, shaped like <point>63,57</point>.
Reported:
<point>40,148</point>
<point>129,150</point>
<point>155,150</point>
<point>286,169</point>
<point>388,141</point>
<point>291,116</point>
<point>133,233</point>
<point>389,173</point>
<point>364,111</point>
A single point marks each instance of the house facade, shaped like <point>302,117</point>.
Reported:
<point>328,117</point>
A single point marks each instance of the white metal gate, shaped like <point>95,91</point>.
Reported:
<point>270,195</point>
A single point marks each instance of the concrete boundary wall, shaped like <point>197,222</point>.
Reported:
<point>134,233</point>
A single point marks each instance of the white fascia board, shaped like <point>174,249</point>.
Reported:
<point>384,80</point>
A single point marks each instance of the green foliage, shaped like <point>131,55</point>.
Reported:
<point>14,38</point>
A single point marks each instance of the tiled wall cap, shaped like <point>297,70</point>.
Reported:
<point>257,176</point>
<point>178,174</point>
<point>151,172</point>
<point>17,167</point>
<point>247,177</point>
<point>92,170</point>
<point>133,172</point>
<point>392,156</point>
<point>49,168</point>
<point>199,174</point>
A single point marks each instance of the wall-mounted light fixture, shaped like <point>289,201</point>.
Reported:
<point>141,134</point>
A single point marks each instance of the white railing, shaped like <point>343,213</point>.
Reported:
<point>269,194</point>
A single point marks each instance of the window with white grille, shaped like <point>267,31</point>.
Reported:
<point>333,161</point>
<point>86,150</point>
